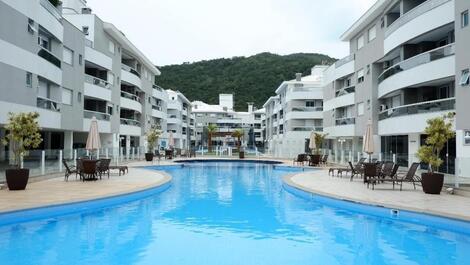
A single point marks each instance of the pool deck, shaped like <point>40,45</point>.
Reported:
<point>445,205</point>
<point>56,191</point>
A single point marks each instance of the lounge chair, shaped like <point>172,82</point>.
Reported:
<point>324,160</point>
<point>314,160</point>
<point>356,170</point>
<point>103,167</point>
<point>301,159</point>
<point>371,173</point>
<point>69,170</point>
<point>169,154</point>
<point>90,171</point>
<point>122,169</point>
<point>408,177</point>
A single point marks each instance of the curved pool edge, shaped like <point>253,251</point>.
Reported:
<point>85,205</point>
<point>248,160</point>
<point>390,212</point>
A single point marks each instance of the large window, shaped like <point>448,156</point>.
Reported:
<point>68,56</point>
<point>372,33</point>
<point>67,96</point>
<point>360,42</point>
<point>29,79</point>
<point>395,146</point>
<point>464,18</point>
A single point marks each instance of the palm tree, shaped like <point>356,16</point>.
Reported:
<point>238,133</point>
<point>211,129</point>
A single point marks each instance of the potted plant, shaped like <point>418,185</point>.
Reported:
<point>22,135</point>
<point>152,138</point>
<point>439,131</point>
<point>319,139</point>
<point>239,133</point>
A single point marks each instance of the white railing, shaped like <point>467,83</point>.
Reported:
<point>412,14</point>
<point>47,103</point>
<point>129,69</point>
<point>130,96</point>
<point>89,114</point>
<point>130,122</point>
<point>421,107</point>
<point>345,60</point>
<point>97,81</point>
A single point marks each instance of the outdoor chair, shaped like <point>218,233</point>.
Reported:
<point>103,167</point>
<point>324,160</point>
<point>355,170</point>
<point>122,169</point>
<point>69,170</point>
<point>79,167</point>
<point>314,160</point>
<point>89,169</point>
<point>387,169</point>
<point>410,177</point>
<point>301,159</point>
<point>372,172</point>
<point>169,154</point>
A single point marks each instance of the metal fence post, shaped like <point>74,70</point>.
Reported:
<point>60,160</point>
<point>394,157</point>
<point>43,162</point>
<point>75,157</point>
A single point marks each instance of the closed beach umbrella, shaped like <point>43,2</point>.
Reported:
<point>171,140</point>
<point>368,146</point>
<point>93,141</point>
<point>312,145</point>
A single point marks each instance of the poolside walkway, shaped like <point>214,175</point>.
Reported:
<point>318,182</point>
<point>56,191</point>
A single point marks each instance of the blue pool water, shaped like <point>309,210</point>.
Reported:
<point>228,213</point>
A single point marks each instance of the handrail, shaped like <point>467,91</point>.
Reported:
<point>345,91</point>
<point>47,103</point>
<point>130,96</point>
<point>129,69</point>
<point>345,121</point>
<point>420,59</point>
<point>130,122</point>
<point>413,13</point>
<point>420,107</point>
<point>307,128</point>
<point>97,81</point>
<point>306,109</point>
<point>89,114</point>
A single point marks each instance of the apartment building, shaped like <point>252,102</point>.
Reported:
<point>295,111</point>
<point>227,121</point>
<point>68,65</point>
<point>178,119</point>
<point>408,63</point>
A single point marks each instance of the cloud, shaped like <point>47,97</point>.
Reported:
<point>176,31</point>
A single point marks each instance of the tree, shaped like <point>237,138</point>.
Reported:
<point>439,131</point>
<point>238,133</point>
<point>319,139</point>
<point>23,134</point>
<point>152,138</point>
<point>211,129</point>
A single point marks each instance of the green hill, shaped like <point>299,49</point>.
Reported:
<point>250,79</point>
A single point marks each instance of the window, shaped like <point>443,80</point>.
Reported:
<point>79,97</point>
<point>31,28</point>
<point>111,47</point>
<point>464,80</point>
<point>464,19</point>
<point>360,109</point>
<point>29,79</point>
<point>360,76</point>
<point>80,59</point>
<point>310,104</point>
<point>67,96</point>
<point>372,33</point>
<point>43,41</point>
<point>68,56</point>
<point>360,42</point>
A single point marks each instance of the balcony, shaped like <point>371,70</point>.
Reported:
<point>339,101</point>
<point>412,118</point>
<point>426,17</point>
<point>130,101</point>
<point>307,129</point>
<point>130,127</point>
<point>345,60</point>
<point>345,121</point>
<point>49,104</point>
<point>130,122</point>
<point>130,70</point>
<point>104,123</point>
<point>305,113</point>
<point>101,116</point>
<point>130,96</point>
<point>51,9</point>
<point>432,65</point>
<point>97,88</point>
<point>345,90</point>
<point>48,56</point>
<point>97,81</point>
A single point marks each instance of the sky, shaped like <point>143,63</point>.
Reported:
<point>178,31</point>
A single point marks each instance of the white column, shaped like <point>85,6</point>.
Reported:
<point>128,146</point>
<point>43,162</point>
<point>60,160</point>
<point>68,144</point>
<point>75,157</point>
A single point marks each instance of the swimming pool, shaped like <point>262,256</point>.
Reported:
<point>228,213</point>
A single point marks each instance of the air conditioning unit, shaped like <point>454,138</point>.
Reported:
<point>85,30</point>
<point>383,107</point>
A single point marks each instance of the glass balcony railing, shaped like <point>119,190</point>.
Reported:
<point>51,9</point>
<point>306,109</point>
<point>345,90</point>
<point>97,81</point>
<point>130,96</point>
<point>49,104</point>
<point>48,56</point>
<point>345,60</point>
<point>418,60</point>
<point>307,128</point>
<point>130,122</point>
<point>447,104</point>
<point>101,116</point>
<point>345,121</point>
<point>155,107</point>
<point>129,69</point>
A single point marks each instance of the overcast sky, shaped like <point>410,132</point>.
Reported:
<point>177,31</point>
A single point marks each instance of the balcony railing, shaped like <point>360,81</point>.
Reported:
<point>97,81</point>
<point>345,91</point>
<point>345,121</point>
<point>446,104</point>
<point>157,87</point>
<point>51,9</point>
<point>130,122</point>
<point>155,107</point>
<point>101,116</point>
<point>307,129</point>
<point>130,96</point>
<point>172,116</point>
<point>129,69</point>
<point>413,13</point>
<point>345,60</point>
<point>418,60</point>
<point>47,103</point>
<point>307,109</point>
<point>48,56</point>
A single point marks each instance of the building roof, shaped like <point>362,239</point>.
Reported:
<point>203,107</point>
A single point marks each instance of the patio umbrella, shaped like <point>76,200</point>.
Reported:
<point>312,145</point>
<point>368,146</point>
<point>93,141</point>
<point>171,141</point>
